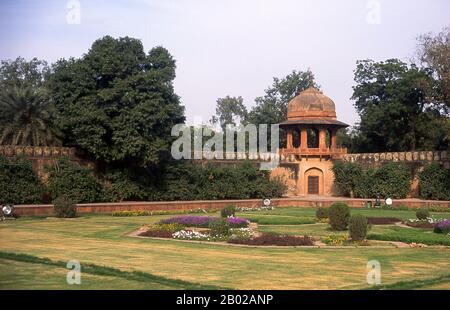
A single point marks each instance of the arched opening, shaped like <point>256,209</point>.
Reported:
<point>296,138</point>
<point>313,138</point>
<point>328,138</point>
<point>313,181</point>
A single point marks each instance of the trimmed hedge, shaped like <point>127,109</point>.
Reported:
<point>390,180</point>
<point>422,214</point>
<point>18,182</point>
<point>64,207</point>
<point>339,215</point>
<point>358,227</point>
<point>74,181</point>
<point>434,182</point>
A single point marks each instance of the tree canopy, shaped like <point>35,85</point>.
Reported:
<point>393,102</point>
<point>117,102</point>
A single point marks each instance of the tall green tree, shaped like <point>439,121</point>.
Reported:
<point>392,101</point>
<point>271,108</point>
<point>117,102</point>
<point>27,118</point>
<point>433,52</point>
<point>230,110</point>
<point>26,112</point>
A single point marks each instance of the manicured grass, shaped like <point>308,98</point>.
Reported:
<point>101,241</point>
<point>409,235</point>
<point>17,275</point>
<point>319,229</point>
<point>152,281</point>
<point>442,281</point>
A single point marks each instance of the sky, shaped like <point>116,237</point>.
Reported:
<point>231,47</point>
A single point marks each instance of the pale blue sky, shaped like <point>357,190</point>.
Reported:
<point>232,47</point>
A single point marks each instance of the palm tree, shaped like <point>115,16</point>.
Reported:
<point>26,118</point>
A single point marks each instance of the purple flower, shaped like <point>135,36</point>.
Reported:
<point>237,222</point>
<point>190,220</point>
<point>442,227</point>
<point>203,221</point>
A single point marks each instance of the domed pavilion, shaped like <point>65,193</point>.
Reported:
<point>311,128</point>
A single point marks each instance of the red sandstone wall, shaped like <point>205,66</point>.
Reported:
<point>28,210</point>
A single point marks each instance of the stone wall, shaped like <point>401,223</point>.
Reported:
<point>42,156</point>
<point>305,202</point>
<point>422,157</point>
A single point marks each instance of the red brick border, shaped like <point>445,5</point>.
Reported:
<point>108,207</point>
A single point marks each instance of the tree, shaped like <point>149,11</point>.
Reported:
<point>392,102</point>
<point>272,107</point>
<point>434,52</point>
<point>229,110</point>
<point>117,103</point>
<point>26,113</point>
<point>27,118</point>
<point>22,73</point>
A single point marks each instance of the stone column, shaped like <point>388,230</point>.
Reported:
<point>289,144</point>
<point>303,139</point>
<point>322,138</point>
<point>333,139</point>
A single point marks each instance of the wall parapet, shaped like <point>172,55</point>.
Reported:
<point>420,156</point>
<point>36,151</point>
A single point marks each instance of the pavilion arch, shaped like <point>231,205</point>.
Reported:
<point>313,181</point>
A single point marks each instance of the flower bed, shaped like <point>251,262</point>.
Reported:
<point>274,239</point>
<point>443,227</point>
<point>260,208</point>
<point>383,220</point>
<point>162,230</point>
<point>204,221</point>
<point>429,222</point>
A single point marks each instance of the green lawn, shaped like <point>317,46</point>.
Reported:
<point>113,260</point>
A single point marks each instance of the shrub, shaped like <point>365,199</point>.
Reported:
<point>184,181</point>
<point>73,180</point>
<point>442,227</point>
<point>18,182</point>
<point>434,182</point>
<point>358,227</point>
<point>346,177</point>
<point>335,240</point>
<point>219,227</point>
<point>228,211</point>
<point>390,180</point>
<point>422,214</point>
<point>131,213</point>
<point>322,213</point>
<point>64,207</point>
<point>339,215</point>
<point>274,239</point>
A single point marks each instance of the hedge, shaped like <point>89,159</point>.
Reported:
<point>76,182</point>
<point>434,182</point>
<point>18,182</point>
<point>390,180</point>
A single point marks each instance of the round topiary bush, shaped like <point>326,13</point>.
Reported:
<point>357,227</point>
<point>64,207</point>
<point>322,213</point>
<point>422,214</point>
<point>228,211</point>
<point>339,215</point>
